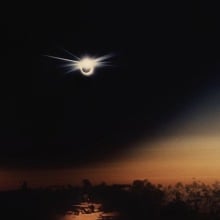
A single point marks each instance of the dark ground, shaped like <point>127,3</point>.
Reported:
<point>141,200</point>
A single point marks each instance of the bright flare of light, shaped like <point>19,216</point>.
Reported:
<point>86,64</point>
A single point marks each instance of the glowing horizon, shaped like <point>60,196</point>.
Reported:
<point>166,161</point>
<point>186,150</point>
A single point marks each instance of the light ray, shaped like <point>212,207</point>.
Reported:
<point>60,58</point>
<point>71,54</point>
<point>105,57</point>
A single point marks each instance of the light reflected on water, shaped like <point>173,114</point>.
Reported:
<point>87,211</point>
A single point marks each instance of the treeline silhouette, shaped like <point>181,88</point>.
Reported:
<point>139,200</point>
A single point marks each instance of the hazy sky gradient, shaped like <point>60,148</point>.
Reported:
<point>190,149</point>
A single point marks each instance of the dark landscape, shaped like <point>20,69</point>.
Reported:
<point>140,200</point>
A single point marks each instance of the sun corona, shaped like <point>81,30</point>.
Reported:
<point>86,65</point>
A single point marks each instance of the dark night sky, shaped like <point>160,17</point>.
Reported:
<point>166,55</point>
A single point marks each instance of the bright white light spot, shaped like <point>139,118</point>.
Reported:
<point>86,64</point>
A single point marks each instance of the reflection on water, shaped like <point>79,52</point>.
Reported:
<point>87,211</point>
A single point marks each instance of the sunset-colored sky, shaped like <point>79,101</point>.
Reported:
<point>189,149</point>
<point>166,161</point>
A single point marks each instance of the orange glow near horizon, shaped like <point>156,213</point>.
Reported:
<point>188,149</point>
<point>180,158</point>
<point>166,161</point>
